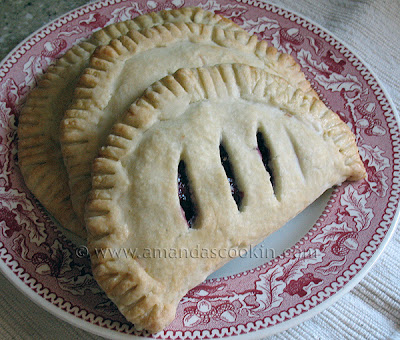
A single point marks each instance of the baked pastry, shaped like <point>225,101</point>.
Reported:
<point>121,71</point>
<point>216,158</point>
<point>40,157</point>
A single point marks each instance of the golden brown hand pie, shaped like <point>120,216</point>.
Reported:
<point>216,158</point>
<point>121,71</point>
<point>40,157</point>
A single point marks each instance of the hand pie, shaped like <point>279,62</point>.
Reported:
<point>40,157</point>
<point>216,158</point>
<point>121,71</point>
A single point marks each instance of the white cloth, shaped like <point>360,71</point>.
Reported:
<point>371,29</point>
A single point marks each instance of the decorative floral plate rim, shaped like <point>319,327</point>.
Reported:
<point>56,275</point>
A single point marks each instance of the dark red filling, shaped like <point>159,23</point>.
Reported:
<point>236,193</point>
<point>185,195</point>
<point>265,156</point>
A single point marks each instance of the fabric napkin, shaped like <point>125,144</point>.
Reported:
<point>371,310</point>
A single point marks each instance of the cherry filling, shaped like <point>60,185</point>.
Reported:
<point>185,195</point>
<point>265,156</point>
<point>236,193</point>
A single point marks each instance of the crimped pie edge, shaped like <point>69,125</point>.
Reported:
<point>40,157</point>
<point>121,278</point>
<point>94,88</point>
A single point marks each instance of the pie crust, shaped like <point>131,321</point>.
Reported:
<point>121,71</point>
<point>40,157</point>
<point>134,204</point>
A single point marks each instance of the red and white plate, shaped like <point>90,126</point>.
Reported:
<point>294,273</point>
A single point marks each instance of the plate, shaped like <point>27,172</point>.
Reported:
<point>295,273</point>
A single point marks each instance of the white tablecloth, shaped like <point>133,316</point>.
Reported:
<point>371,29</point>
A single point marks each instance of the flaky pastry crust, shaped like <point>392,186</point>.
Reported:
<point>40,157</point>
<point>134,201</point>
<point>121,71</point>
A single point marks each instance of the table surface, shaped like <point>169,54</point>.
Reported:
<point>372,309</point>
